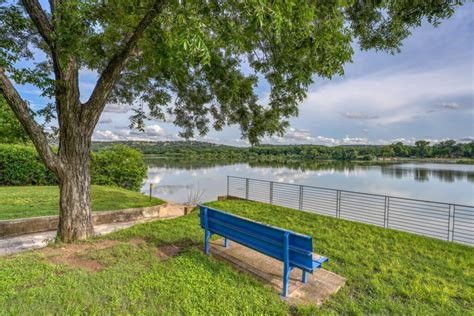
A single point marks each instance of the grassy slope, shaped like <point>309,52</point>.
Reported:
<point>387,271</point>
<point>30,201</point>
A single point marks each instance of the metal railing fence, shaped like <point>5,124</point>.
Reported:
<point>451,222</point>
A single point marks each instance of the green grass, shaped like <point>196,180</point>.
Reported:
<point>31,201</point>
<point>388,272</point>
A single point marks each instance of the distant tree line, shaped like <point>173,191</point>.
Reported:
<point>194,149</point>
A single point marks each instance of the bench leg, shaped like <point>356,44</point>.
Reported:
<point>286,262</point>
<point>286,276</point>
<point>226,241</point>
<point>207,234</point>
<point>304,279</point>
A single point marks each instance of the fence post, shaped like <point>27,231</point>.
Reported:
<point>385,211</point>
<point>301,198</point>
<point>227,185</point>
<point>271,192</point>
<point>338,203</point>
<point>454,222</point>
<point>247,188</point>
<point>450,222</point>
<point>388,211</point>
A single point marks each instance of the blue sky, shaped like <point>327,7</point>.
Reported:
<point>424,92</point>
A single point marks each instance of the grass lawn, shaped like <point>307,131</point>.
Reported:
<point>31,201</point>
<point>387,272</point>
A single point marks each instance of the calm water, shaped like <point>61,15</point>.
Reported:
<point>452,183</point>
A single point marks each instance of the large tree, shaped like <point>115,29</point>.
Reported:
<point>198,60</point>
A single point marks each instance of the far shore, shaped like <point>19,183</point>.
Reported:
<point>465,161</point>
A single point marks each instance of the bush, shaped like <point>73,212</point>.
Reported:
<point>120,166</point>
<point>21,165</point>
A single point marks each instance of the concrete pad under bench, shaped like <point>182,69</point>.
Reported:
<point>319,287</point>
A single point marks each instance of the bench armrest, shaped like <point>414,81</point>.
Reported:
<point>318,263</point>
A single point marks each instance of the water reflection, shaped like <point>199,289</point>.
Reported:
<point>419,172</point>
<point>424,173</point>
<point>436,182</point>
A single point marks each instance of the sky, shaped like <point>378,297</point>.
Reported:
<point>424,92</point>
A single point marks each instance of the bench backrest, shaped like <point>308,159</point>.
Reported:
<point>266,239</point>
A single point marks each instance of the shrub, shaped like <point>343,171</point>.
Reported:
<point>21,165</point>
<point>120,166</point>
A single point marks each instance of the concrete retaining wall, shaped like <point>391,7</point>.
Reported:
<point>32,225</point>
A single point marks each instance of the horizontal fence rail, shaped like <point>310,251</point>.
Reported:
<point>451,222</point>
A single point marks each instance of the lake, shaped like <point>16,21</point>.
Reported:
<point>452,183</point>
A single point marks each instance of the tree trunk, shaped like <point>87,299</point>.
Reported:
<point>75,220</point>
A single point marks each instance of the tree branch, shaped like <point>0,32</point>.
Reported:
<point>111,73</point>
<point>53,4</point>
<point>41,20</point>
<point>21,110</point>
<point>46,30</point>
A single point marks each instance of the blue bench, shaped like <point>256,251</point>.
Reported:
<point>293,249</point>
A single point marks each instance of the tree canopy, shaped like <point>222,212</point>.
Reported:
<point>201,61</point>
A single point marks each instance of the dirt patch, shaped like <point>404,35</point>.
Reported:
<point>167,251</point>
<point>137,241</point>
<point>72,249</point>
<point>78,262</point>
<point>73,254</point>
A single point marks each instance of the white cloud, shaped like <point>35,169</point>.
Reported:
<point>412,140</point>
<point>466,139</point>
<point>117,108</point>
<point>330,141</point>
<point>207,138</point>
<point>446,106</point>
<point>105,120</point>
<point>106,136</point>
<point>167,118</point>
<point>451,105</point>
<point>359,116</point>
<point>295,136</point>
<point>392,96</point>
<point>239,142</point>
<point>151,133</point>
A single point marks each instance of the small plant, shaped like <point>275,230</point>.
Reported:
<point>194,194</point>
